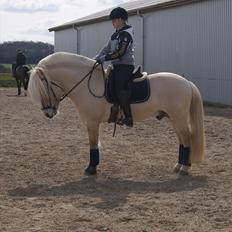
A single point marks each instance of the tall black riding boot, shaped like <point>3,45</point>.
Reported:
<point>113,113</point>
<point>124,99</point>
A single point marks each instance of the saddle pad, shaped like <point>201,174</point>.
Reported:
<point>140,92</point>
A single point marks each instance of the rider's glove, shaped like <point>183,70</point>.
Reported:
<point>100,60</point>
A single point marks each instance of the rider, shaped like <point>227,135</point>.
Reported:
<point>120,51</point>
<point>20,60</point>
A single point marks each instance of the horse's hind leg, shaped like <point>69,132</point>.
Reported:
<point>93,132</point>
<point>183,132</point>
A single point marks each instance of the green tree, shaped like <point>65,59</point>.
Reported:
<point>34,51</point>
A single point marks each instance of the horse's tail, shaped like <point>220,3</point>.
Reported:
<point>197,151</point>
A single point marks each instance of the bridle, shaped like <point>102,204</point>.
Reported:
<point>51,91</point>
<point>89,75</point>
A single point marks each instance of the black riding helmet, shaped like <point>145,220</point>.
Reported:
<point>118,13</point>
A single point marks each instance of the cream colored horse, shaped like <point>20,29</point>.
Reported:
<point>179,98</point>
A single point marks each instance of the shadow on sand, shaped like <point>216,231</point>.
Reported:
<point>111,191</point>
<point>15,95</point>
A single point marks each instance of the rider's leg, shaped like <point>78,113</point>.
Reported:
<point>123,88</point>
<point>113,113</point>
<point>111,88</point>
<point>124,99</point>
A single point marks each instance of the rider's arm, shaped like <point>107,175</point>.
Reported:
<point>105,50</point>
<point>124,40</point>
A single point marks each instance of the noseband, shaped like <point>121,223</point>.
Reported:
<point>49,90</point>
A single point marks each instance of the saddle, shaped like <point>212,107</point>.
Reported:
<point>16,66</point>
<point>140,89</point>
<point>137,75</point>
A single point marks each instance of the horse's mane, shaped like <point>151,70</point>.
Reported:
<point>65,59</point>
<point>36,88</point>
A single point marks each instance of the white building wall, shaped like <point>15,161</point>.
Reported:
<point>66,41</point>
<point>194,40</point>
<point>93,37</point>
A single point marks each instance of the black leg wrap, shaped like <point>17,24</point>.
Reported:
<point>94,157</point>
<point>180,154</point>
<point>94,161</point>
<point>184,154</point>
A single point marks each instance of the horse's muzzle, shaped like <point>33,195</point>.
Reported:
<point>48,115</point>
<point>50,112</point>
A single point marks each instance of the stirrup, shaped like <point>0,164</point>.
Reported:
<point>128,121</point>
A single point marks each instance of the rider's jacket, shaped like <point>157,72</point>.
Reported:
<point>120,47</point>
<point>20,59</point>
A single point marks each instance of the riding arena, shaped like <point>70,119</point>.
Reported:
<point>42,162</point>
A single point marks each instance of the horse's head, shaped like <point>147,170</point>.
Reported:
<point>45,92</point>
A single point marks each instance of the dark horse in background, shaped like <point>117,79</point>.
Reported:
<point>21,74</point>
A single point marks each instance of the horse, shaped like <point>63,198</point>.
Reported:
<point>61,74</point>
<point>21,74</point>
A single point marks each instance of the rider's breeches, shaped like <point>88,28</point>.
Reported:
<point>120,80</point>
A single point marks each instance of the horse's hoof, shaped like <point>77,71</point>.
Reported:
<point>183,173</point>
<point>184,170</point>
<point>177,168</point>
<point>90,170</point>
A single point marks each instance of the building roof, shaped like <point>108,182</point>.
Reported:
<point>133,7</point>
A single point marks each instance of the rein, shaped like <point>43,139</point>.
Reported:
<point>89,74</point>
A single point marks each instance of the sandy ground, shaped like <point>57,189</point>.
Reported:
<point>42,186</point>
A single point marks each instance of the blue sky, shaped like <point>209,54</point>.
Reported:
<point>29,20</point>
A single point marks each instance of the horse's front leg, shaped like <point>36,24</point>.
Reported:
<point>93,132</point>
<point>19,86</point>
<point>25,86</point>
